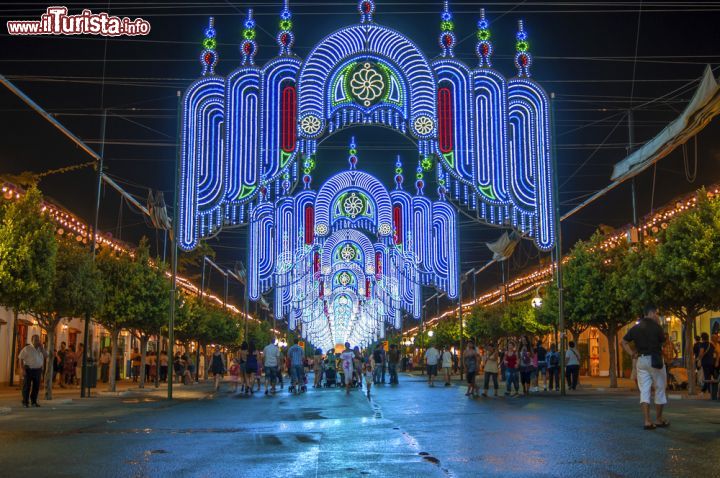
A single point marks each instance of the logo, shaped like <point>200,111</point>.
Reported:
<point>56,21</point>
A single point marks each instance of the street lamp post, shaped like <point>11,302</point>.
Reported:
<point>558,248</point>
<point>174,258</point>
<point>85,378</point>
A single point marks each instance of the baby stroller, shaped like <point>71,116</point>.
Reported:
<point>330,377</point>
<point>677,378</point>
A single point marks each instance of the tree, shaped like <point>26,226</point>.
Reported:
<point>120,282</point>
<point>485,323</point>
<point>75,292</point>
<point>603,280</point>
<point>446,332</point>
<point>153,296</point>
<point>548,313</point>
<point>518,318</point>
<point>682,272</point>
<point>27,257</point>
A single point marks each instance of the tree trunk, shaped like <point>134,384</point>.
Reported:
<point>49,369</point>
<point>13,346</point>
<point>157,360</point>
<point>206,362</point>
<point>143,353</point>
<point>689,357</point>
<point>113,357</point>
<point>610,336</point>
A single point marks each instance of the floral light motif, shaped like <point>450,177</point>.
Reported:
<point>310,124</point>
<point>348,253</point>
<point>367,84</point>
<point>344,279</point>
<point>423,125</point>
<point>353,205</point>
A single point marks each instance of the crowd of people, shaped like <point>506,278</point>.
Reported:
<point>252,370</point>
<point>706,352</point>
<point>523,365</point>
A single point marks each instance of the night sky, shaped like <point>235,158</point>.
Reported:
<point>587,53</point>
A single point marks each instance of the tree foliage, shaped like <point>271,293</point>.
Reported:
<point>27,253</point>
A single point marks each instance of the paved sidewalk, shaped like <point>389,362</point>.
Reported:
<point>10,396</point>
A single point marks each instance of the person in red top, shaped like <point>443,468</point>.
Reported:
<point>511,366</point>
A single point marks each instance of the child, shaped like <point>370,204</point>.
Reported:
<point>235,373</point>
<point>368,378</point>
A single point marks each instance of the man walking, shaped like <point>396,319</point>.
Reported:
<point>32,357</point>
<point>647,336</point>
<point>431,360</point>
<point>541,371</point>
<point>271,361</point>
<point>393,359</point>
<point>377,357</point>
<point>297,371</point>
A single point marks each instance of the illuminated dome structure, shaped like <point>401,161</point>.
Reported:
<point>347,258</point>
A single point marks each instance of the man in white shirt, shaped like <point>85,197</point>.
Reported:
<point>431,360</point>
<point>32,357</point>
<point>271,361</point>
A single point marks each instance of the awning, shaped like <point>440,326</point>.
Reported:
<point>703,107</point>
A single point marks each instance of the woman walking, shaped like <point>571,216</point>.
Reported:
<point>511,366</point>
<point>251,368</point>
<point>526,369</point>
<point>490,362</point>
<point>242,361</point>
<point>317,368</point>
<point>217,367</point>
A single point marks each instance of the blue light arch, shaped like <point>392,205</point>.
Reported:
<point>250,137</point>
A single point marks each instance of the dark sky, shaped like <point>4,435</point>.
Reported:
<point>587,53</point>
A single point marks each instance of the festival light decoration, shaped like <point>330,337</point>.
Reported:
<point>249,136</point>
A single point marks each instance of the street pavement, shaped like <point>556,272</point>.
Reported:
<point>408,430</point>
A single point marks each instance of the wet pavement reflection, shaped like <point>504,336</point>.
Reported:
<point>407,430</point>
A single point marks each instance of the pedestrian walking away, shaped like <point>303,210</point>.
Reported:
<point>317,368</point>
<point>541,356</point>
<point>105,365</point>
<point>432,356</point>
<point>446,362</point>
<point>377,358</point>
<point>217,367</point>
<point>510,359</point>
<point>393,358</point>
<point>470,357</point>
<point>707,359</point>
<point>346,358</point>
<point>297,370</point>
<point>32,358</point>
<point>553,368</point>
<point>234,372</point>
<point>526,369</point>
<point>490,365</point>
<point>647,338</point>
<point>271,362</point>
<point>572,366</point>
<point>251,368</point>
